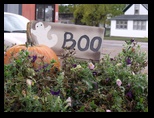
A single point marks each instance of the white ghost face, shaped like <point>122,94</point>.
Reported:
<point>39,26</point>
<point>42,33</point>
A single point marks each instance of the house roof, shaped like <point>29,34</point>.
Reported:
<point>129,5</point>
<point>146,6</point>
<point>130,17</point>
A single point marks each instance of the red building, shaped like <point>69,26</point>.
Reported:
<point>41,12</point>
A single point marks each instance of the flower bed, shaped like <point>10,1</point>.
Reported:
<point>110,85</point>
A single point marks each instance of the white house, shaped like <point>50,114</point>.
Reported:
<point>134,22</point>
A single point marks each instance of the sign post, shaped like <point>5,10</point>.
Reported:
<point>86,40</point>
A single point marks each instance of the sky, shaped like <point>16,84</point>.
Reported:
<point>65,4</point>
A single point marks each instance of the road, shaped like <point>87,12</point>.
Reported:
<point>114,47</point>
<point>112,43</point>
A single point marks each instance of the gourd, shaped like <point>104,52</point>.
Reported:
<point>35,49</point>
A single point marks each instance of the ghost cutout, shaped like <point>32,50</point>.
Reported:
<point>41,34</point>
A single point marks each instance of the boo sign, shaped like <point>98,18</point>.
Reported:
<point>86,40</point>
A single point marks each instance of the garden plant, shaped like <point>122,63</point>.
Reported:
<point>109,85</point>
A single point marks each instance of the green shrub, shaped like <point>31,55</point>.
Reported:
<point>112,84</point>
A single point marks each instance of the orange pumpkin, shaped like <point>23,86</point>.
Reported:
<point>40,50</point>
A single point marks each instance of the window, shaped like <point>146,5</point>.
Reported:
<point>45,12</point>
<point>139,25</point>
<point>121,24</point>
<point>136,9</point>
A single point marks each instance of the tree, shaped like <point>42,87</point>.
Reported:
<point>78,13</point>
<point>63,8</point>
<point>72,7</point>
<point>69,8</point>
<point>94,14</point>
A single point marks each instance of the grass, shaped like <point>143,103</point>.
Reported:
<point>126,38</point>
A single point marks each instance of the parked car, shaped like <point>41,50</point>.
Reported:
<point>14,29</point>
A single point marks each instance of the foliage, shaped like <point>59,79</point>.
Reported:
<point>93,14</point>
<point>39,53</point>
<point>34,95</point>
<point>66,8</point>
<point>63,8</point>
<point>110,85</point>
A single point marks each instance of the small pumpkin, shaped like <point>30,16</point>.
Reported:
<point>47,53</point>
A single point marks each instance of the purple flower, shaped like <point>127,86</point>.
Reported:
<point>37,70</point>
<point>34,58</point>
<point>107,79</point>
<point>95,85</point>
<point>74,65</point>
<point>55,92</point>
<point>111,59</point>
<point>129,94</point>
<point>94,73</point>
<point>128,61</point>
<point>128,86</point>
<point>132,40</point>
<point>45,65</point>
